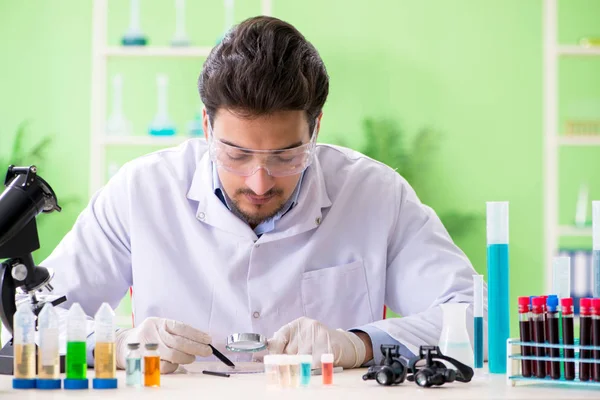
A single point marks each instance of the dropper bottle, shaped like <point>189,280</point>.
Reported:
<point>24,348</point>
<point>48,352</point>
<point>104,351</point>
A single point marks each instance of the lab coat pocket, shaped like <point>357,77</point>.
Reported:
<point>337,296</point>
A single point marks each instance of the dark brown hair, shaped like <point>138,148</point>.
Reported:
<point>261,66</point>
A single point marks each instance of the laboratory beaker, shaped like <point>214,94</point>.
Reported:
<point>454,341</point>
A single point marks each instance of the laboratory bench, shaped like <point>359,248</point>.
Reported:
<point>191,383</point>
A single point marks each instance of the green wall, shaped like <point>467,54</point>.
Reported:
<point>470,69</point>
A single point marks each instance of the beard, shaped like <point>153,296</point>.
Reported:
<point>255,219</point>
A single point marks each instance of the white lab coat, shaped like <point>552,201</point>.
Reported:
<point>358,238</point>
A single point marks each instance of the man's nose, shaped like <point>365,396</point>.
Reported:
<point>260,182</point>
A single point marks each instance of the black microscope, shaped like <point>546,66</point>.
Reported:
<point>26,195</point>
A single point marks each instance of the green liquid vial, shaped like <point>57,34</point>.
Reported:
<point>76,360</point>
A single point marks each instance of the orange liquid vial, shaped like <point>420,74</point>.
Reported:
<point>152,371</point>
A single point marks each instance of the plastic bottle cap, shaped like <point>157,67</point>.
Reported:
<point>75,384</point>
<point>584,306</point>
<point>306,359</point>
<point>552,302</point>
<point>327,358</point>
<point>567,305</point>
<point>104,383</point>
<point>151,346</point>
<point>538,301</point>
<point>48,384</point>
<point>133,346</point>
<point>24,383</point>
<point>596,306</point>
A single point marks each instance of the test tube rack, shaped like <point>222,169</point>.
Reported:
<point>514,358</point>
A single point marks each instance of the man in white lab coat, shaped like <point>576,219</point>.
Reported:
<point>259,229</point>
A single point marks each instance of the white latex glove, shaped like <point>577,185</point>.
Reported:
<point>178,343</point>
<point>307,336</point>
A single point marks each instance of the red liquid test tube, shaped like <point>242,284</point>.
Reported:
<point>553,335</point>
<point>539,325</point>
<point>546,329</point>
<point>568,336</point>
<point>533,364</point>
<point>525,333</point>
<point>596,336</point>
<point>327,368</point>
<point>585,337</point>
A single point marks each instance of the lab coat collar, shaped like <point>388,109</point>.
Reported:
<point>306,215</point>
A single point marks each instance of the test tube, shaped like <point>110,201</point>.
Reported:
<point>596,336</point>
<point>133,367</point>
<point>531,335</point>
<point>596,247</point>
<point>585,337</point>
<point>327,368</point>
<point>294,361</point>
<point>539,337</point>
<point>568,336</point>
<point>104,352</point>
<point>151,366</point>
<point>525,333</point>
<point>24,348</point>
<point>48,353</point>
<point>553,336</point>
<point>478,320</point>
<point>305,369</point>
<point>271,370</point>
<point>498,276</point>
<point>76,371</point>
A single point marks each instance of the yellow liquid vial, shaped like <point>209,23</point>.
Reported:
<point>104,361</point>
<point>48,368</point>
<point>24,361</point>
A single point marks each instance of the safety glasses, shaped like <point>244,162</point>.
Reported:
<point>245,162</point>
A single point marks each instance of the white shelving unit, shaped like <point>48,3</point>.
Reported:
<point>553,140</point>
<point>101,53</point>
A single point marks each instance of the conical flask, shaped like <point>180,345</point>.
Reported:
<point>454,341</point>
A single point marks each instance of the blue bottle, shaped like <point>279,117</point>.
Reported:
<point>498,277</point>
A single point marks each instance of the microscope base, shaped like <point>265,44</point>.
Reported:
<point>7,360</point>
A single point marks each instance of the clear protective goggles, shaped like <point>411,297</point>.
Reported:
<point>246,162</point>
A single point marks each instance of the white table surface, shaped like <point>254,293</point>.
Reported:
<point>347,385</point>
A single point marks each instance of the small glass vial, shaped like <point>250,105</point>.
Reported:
<point>76,359</point>
<point>24,348</point>
<point>327,368</point>
<point>133,368</point>
<point>305,369</point>
<point>294,361</point>
<point>104,352</point>
<point>48,352</point>
<point>284,371</point>
<point>151,366</point>
<point>271,370</point>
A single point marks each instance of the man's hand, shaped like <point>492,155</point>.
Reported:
<point>177,343</point>
<point>307,336</point>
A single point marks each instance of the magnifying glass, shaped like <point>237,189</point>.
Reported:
<point>246,342</point>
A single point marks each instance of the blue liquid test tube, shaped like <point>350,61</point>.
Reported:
<point>596,247</point>
<point>478,321</point>
<point>305,369</point>
<point>498,275</point>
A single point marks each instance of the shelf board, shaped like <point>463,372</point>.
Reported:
<point>571,230</point>
<point>575,50</point>
<point>147,140</point>
<point>156,51</point>
<point>579,140</point>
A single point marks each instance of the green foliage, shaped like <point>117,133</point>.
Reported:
<point>21,154</point>
<point>387,143</point>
